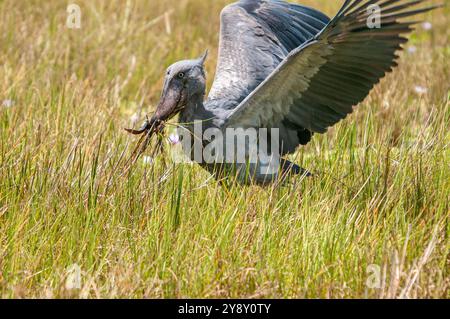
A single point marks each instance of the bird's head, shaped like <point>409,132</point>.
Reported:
<point>184,81</point>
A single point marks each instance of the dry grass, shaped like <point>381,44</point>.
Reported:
<point>166,230</point>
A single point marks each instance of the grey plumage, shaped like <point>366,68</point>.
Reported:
<point>319,82</point>
<point>287,66</point>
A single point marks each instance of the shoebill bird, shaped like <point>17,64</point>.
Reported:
<point>289,67</point>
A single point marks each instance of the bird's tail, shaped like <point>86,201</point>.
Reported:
<point>291,168</point>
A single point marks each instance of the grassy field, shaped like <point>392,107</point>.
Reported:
<point>376,212</point>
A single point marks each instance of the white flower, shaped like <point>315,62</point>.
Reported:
<point>412,49</point>
<point>148,160</point>
<point>420,90</point>
<point>427,26</point>
<point>134,118</point>
<point>8,103</point>
<point>174,139</point>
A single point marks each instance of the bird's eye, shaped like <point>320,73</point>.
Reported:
<point>181,75</point>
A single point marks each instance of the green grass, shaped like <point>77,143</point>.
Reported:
<point>380,197</point>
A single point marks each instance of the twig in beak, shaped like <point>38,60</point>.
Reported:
<point>147,130</point>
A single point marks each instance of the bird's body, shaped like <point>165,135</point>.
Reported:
<point>288,68</point>
<point>246,25</point>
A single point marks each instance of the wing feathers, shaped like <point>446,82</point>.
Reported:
<point>256,33</point>
<point>318,83</point>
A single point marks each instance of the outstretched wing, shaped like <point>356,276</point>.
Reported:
<point>318,83</point>
<point>255,36</point>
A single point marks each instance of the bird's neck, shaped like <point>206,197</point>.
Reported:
<point>193,107</point>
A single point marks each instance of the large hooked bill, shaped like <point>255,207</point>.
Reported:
<point>150,126</point>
